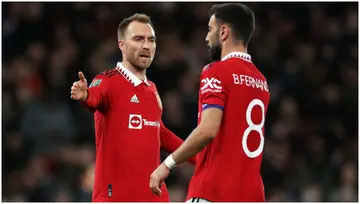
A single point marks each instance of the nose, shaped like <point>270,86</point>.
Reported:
<point>146,45</point>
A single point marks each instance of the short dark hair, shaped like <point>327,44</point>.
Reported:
<point>239,17</point>
<point>139,17</point>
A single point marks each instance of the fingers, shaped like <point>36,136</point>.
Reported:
<point>81,76</point>
<point>73,90</point>
<point>155,185</point>
<point>72,93</point>
<point>156,189</point>
<point>159,186</point>
<point>151,183</point>
<point>74,87</point>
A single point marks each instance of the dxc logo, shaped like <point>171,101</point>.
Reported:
<point>211,83</point>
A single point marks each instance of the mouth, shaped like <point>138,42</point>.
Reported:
<point>145,56</point>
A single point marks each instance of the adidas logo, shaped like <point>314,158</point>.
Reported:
<point>134,99</point>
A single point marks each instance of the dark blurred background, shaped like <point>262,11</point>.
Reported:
<point>307,51</point>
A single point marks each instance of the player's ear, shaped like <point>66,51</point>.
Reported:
<point>121,44</point>
<point>224,32</point>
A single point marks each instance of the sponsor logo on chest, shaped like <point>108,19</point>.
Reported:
<point>136,121</point>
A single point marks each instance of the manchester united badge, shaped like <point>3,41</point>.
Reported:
<point>158,100</point>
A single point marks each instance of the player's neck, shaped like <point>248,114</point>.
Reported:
<point>139,74</point>
<point>229,49</point>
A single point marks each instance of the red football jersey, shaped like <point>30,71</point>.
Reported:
<point>127,113</point>
<point>228,169</point>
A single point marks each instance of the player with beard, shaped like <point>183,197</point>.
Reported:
<point>233,100</point>
<point>127,113</point>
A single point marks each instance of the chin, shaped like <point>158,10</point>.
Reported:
<point>215,53</point>
<point>142,67</point>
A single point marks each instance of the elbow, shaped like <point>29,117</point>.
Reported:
<point>209,132</point>
<point>212,134</point>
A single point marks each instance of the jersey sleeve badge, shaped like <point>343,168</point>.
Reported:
<point>95,82</point>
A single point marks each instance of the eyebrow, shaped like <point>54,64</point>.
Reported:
<point>142,36</point>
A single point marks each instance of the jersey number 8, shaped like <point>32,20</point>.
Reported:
<point>254,127</point>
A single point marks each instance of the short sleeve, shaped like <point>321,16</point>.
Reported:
<point>212,90</point>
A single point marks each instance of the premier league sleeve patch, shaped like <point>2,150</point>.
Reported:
<point>95,82</point>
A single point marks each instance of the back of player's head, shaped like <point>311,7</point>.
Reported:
<point>139,17</point>
<point>238,17</point>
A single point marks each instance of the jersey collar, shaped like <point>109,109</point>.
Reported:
<point>241,55</point>
<point>129,75</point>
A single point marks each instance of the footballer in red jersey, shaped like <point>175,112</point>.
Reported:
<point>127,113</point>
<point>233,100</point>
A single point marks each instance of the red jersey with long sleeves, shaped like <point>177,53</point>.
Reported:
<point>128,128</point>
<point>228,169</point>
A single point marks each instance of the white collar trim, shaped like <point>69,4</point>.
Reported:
<point>241,55</point>
<point>129,75</point>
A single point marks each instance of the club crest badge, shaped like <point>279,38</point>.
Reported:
<point>158,100</point>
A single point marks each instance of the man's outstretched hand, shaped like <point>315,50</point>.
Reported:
<point>79,89</point>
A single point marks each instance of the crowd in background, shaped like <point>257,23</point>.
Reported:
<point>307,51</point>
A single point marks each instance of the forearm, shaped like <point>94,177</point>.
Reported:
<point>92,100</point>
<point>196,142</point>
<point>170,142</point>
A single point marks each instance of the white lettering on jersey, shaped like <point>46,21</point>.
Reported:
<point>137,122</point>
<point>151,123</point>
<point>250,82</point>
<point>210,84</point>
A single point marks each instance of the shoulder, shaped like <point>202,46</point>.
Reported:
<point>214,69</point>
<point>152,85</point>
<point>209,67</point>
<point>108,73</point>
<point>104,77</point>
<point>151,82</point>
